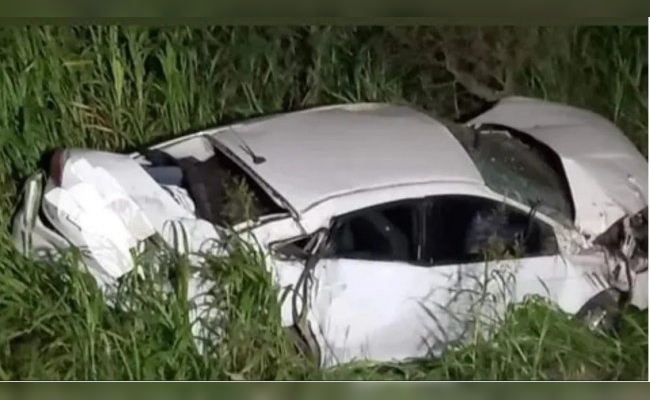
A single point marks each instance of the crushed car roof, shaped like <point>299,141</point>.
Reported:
<point>313,155</point>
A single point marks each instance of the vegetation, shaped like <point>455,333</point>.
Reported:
<point>120,88</point>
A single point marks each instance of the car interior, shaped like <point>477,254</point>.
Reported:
<point>209,183</point>
<point>457,229</point>
<point>382,233</point>
<point>464,229</point>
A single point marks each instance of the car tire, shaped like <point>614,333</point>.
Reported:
<point>603,312</point>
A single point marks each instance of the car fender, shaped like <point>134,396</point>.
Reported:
<point>587,275</point>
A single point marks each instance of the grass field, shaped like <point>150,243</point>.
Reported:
<point>114,88</point>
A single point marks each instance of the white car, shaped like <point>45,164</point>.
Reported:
<point>380,216</point>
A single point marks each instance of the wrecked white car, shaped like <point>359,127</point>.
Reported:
<point>381,217</point>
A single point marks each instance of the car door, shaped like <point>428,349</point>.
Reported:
<point>496,254</point>
<point>372,299</point>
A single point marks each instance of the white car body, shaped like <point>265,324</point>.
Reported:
<point>323,167</point>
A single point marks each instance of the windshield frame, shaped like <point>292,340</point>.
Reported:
<point>479,141</point>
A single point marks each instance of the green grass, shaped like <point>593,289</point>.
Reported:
<point>120,88</point>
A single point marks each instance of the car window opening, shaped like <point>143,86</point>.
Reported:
<point>515,165</point>
<point>210,184</point>
<point>380,233</point>
<point>463,229</point>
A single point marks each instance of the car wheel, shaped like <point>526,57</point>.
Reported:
<point>602,313</point>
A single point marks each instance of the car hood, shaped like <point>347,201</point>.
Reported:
<point>607,175</point>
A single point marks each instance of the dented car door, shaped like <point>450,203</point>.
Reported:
<point>371,299</point>
<point>378,310</point>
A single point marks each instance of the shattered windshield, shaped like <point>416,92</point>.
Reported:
<point>517,171</point>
